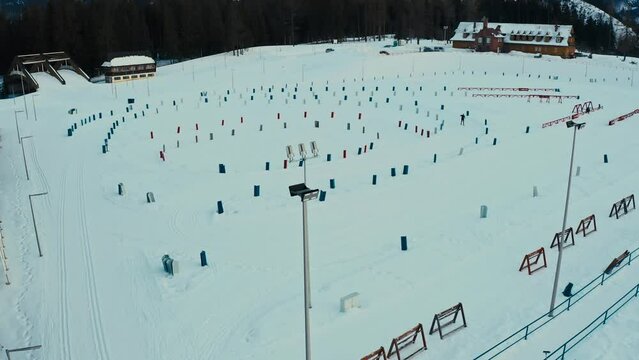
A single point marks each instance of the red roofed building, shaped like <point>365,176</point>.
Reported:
<point>529,38</point>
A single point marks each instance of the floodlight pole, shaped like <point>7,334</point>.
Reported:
<point>305,195</point>
<point>34,222</point>
<point>563,227</point>
<point>307,281</point>
<point>26,170</point>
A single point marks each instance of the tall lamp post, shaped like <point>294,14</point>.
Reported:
<point>575,126</point>
<point>445,38</point>
<point>305,195</point>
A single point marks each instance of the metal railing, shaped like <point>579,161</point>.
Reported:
<point>561,351</point>
<point>530,328</point>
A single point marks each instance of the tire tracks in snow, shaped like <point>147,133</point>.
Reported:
<point>94,304</point>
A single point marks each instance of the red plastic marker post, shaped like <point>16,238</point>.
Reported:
<point>359,116</point>
<point>162,155</point>
<point>197,126</point>
<point>178,130</point>
<point>344,154</point>
<point>422,132</point>
<point>427,133</point>
<point>196,138</point>
<point>365,147</point>
<point>278,116</point>
<point>332,114</point>
<point>304,114</point>
<point>415,129</point>
<point>241,119</point>
<point>285,163</point>
<point>151,134</point>
<point>222,122</point>
<point>399,124</point>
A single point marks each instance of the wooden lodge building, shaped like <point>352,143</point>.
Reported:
<point>127,68</point>
<point>544,39</point>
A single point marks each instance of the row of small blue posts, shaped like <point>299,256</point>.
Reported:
<point>83,122</point>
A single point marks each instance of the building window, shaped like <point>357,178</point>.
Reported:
<point>142,75</point>
<point>117,78</point>
<point>487,40</point>
<point>125,77</point>
<point>134,76</point>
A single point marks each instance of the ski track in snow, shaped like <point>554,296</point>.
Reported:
<point>94,306</point>
<point>65,339</point>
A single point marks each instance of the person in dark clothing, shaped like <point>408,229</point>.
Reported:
<point>463,117</point>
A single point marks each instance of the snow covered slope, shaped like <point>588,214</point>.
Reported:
<point>592,12</point>
<point>99,290</point>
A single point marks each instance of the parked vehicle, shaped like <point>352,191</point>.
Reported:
<point>384,52</point>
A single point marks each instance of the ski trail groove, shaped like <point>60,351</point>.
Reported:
<point>98,329</point>
<point>65,342</point>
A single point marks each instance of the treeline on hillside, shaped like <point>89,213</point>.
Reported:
<point>178,29</point>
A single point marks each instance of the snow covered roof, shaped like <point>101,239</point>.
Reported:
<point>129,60</point>
<point>558,34</point>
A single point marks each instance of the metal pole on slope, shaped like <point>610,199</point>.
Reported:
<point>26,170</point>
<point>576,126</point>
<point>15,114</point>
<point>35,114</point>
<point>24,96</point>
<point>34,222</point>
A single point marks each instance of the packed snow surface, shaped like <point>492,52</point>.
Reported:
<point>99,290</point>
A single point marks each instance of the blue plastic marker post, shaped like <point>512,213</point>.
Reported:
<point>322,195</point>
<point>268,166</point>
<point>404,242</point>
<point>203,261</point>
<point>328,157</point>
<point>104,149</point>
<point>393,172</point>
<point>70,132</point>
<point>222,169</point>
<point>332,183</point>
<point>220,207</point>
<point>434,158</point>
<point>256,190</point>
<point>405,170</point>
<point>527,129</point>
<point>359,151</point>
<point>442,107</point>
<point>371,146</point>
<point>494,141</point>
<point>605,158</point>
<point>374,179</point>
<point>476,140</point>
<point>486,131</point>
